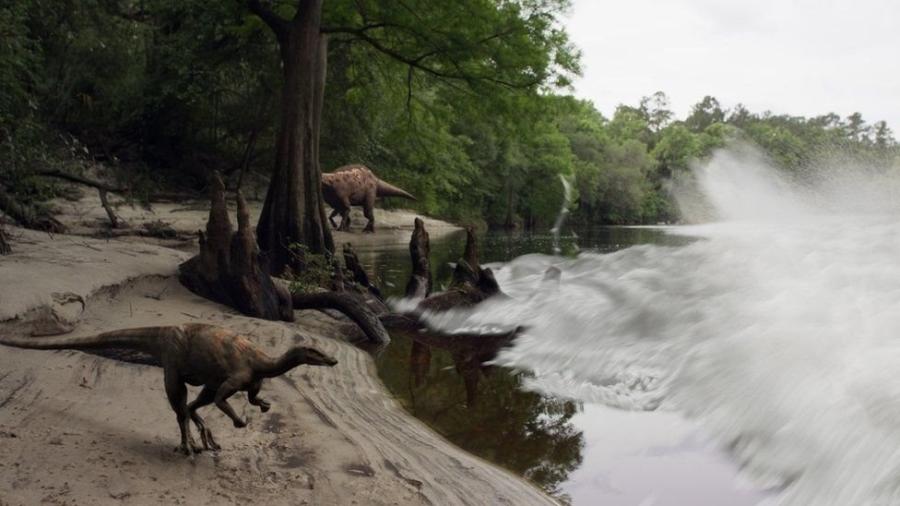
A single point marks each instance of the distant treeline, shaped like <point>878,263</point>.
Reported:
<point>164,91</point>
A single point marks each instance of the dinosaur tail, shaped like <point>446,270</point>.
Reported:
<point>388,190</point>
<point>146,339</point>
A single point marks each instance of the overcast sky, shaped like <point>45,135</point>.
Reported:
<point>802,57</point>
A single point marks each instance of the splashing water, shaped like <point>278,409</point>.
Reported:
<point>568,200</point>
<point>778,328</point>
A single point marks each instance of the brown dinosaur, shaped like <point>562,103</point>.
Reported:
<point>221,361</point>
<point>356,185</point>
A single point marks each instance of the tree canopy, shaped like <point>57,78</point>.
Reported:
<point>465,104</point>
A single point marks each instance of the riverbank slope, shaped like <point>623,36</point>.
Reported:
<point>80,429</point>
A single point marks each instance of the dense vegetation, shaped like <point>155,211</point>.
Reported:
<point>462,103</point>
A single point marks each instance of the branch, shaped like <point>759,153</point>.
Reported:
<point>278,24</point>
<point>416,61</point>
<point>355,29</point>
<point>73,178</point>
<point>354,307</point>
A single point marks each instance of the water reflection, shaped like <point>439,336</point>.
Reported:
<point>483,409</point>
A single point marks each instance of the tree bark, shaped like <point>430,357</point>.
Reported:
<point>4,246</point>
<point>420,281</point>
<point>227,269</point>
<point>353,306</point>
<point>294,210</point>
<point>359,273</point>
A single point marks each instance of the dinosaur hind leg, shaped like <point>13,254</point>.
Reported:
<point>225,391</point>
<point>253,397</point>
<point>177,394</point>
<point>345,215</point>
<point>369,212</point>
<point>206,397</point>
<point>334,212</point>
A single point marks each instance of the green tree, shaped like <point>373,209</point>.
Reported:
<point>705,113</point>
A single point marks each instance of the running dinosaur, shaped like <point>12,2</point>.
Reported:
<point>221,361</point>
<point>356,185</point>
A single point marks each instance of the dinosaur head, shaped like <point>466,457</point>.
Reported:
<point>310,356</point>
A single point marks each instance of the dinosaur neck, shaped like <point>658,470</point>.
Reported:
<point>272,367</point>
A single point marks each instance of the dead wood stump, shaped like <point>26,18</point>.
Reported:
<point>420,281</point>
<point>359,273</point>
<point>228,270</point>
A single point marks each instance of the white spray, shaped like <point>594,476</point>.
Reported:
<point>778,328</point>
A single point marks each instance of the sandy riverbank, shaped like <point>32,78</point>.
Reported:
<point>79,429</point>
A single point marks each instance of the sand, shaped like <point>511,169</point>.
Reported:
<point>80,429</point>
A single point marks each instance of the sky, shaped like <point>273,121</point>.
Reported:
<point>799,57</point>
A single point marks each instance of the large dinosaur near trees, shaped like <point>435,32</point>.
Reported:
<point>219,360</point>
<point>356,185</point>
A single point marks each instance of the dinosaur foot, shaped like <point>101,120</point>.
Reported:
<point>240,424</point>
<point>188,450</point>
<point>369,230</point>
<point>188,446</point>
<point>208,442</point>
<point>264,406</point>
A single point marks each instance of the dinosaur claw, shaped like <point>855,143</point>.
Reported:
<point>240,424</point>
<point>208,442</point>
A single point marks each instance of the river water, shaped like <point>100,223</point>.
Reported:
<point>747,359</point>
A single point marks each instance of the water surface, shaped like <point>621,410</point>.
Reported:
<point>580,451</point>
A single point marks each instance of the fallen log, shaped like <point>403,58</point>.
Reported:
<point>29,215</point>
<point>353,306</point>
<point>101,187</point>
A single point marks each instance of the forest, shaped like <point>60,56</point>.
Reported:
<point>468,105</point>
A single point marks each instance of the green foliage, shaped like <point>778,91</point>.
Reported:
<point>316,272</point>
<point>461,103</point>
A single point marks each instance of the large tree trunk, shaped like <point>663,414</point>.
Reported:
<point>294,211</point>
<point>4,246</point>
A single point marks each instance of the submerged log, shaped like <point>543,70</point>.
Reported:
<point>228,270</point>
<point>471,284</point>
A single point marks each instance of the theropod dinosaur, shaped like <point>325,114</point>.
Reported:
<point>221,361</point>
<point>356,185</point>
